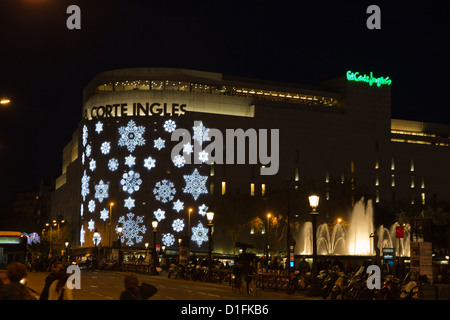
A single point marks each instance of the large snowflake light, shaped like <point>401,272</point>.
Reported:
<point>178,205</point>
<point>170,126</point>
<point>91,206</point>
<point>131,136</point>
<point>164,191</point>
<point>82,232</point>
<point>85,135</point>
<point>85,185</point>
<point>130,161</point>
<point>131,228</point>
<point>91,225</point>
<point>104,214</point>
<point>101,191</point>
<point>168,239</point>
<point>131,181</point>
<point>178,161</point>
<point>195,184</point>
<point>149,163</point>
<point>178,225</point>
<point>159,215</point>
<point>129,203</point>
<point>99,127</point>
<point>159,143</point>
<point>201,133</point>
<point>113,164</point>
<point>199,234</point>
<point>105,147</point>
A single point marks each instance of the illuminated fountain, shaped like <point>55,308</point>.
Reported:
<point>354,240</point>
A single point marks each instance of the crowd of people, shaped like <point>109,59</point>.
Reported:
<point>12,286</point>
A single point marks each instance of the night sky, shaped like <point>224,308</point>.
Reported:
<point>44,66</point>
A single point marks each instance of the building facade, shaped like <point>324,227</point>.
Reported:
<point>156,142</point>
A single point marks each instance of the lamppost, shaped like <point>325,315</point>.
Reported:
<point>314,203</point>
<point>96,237</point>
<point>111,204</point>
<point>269,215</point>
<point>210,217</point>
<point>119,242</point>
<point>67,250</point>
<point>154,256</point>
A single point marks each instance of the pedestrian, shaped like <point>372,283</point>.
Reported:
<point>58,289</point>
<point>136,291</point>
<point>49,280</point>
<point>15,290</point>
<point>250,272</point>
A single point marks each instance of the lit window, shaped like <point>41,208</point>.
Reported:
<point>412,181</point>
<point>393,181</point>
<point>392,164</point>
<point>377,199</point>
<point>423,198</point>
<point>412,165</point>
<point>263,189</point>
<point>377,181</point>
<point>252,189</point>
<point>211,188</point>
<point>224,187</point>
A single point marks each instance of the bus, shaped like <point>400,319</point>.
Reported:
<point>13,247</point>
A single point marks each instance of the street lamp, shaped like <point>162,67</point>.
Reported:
<point>269,215</point>
<point>154,256</point>
<point>314,203</point>
<point>111,204</point>
<point>119,242</point>
<point>4,101</point>
<point>210,217</point>
<point>67,249</point>
<point>96,238</point>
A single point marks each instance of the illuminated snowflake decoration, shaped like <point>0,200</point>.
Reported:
<point>91,225</point>
<point>83,158</point>
<point>199,234</point>
<point>168,239</point>
<point>92,165</point>
<point>81,210</point>
<point>203,156</point>
<point>195,184</point>
<point>178,225</point>
<point>104,214</point>
<point>130,161</point>
<point>113,164</point>
<point>159,143</point>
<point>178,161</point>
<point>129,203</point>
<point>178,205</point>
<point>159,214</point>
<point>82,232</point>
<point>85,185</point>
<point>149,163</point>
<point>106,147</point>
<point>99,127</point>
<point>170,126</point>
<point>188,148</point>
<point>201,133</point>
<point>202,209</point>
<point>88,150</point>
<point>164,191</point>
<point>131,181</point>
<point>131,136</point>
<point>101,191</point>
<point>91,206</point>
<point>85,135</point>
<point>132,229</point>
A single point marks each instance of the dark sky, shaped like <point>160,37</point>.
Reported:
<point>44,66</point>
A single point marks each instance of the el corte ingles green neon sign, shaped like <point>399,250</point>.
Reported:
<point>355,76</point>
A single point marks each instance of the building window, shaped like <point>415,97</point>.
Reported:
<point>224,187</point>
<point>412,182</point>
<point>412,165</point>
<point>423,198</point>
<point>263,189</point>
<point>211,188</point>
<point>252,189</point>
<point>393,181</point>
<point>392,164</point>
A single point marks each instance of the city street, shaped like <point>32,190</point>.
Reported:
<point>108,285</point>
